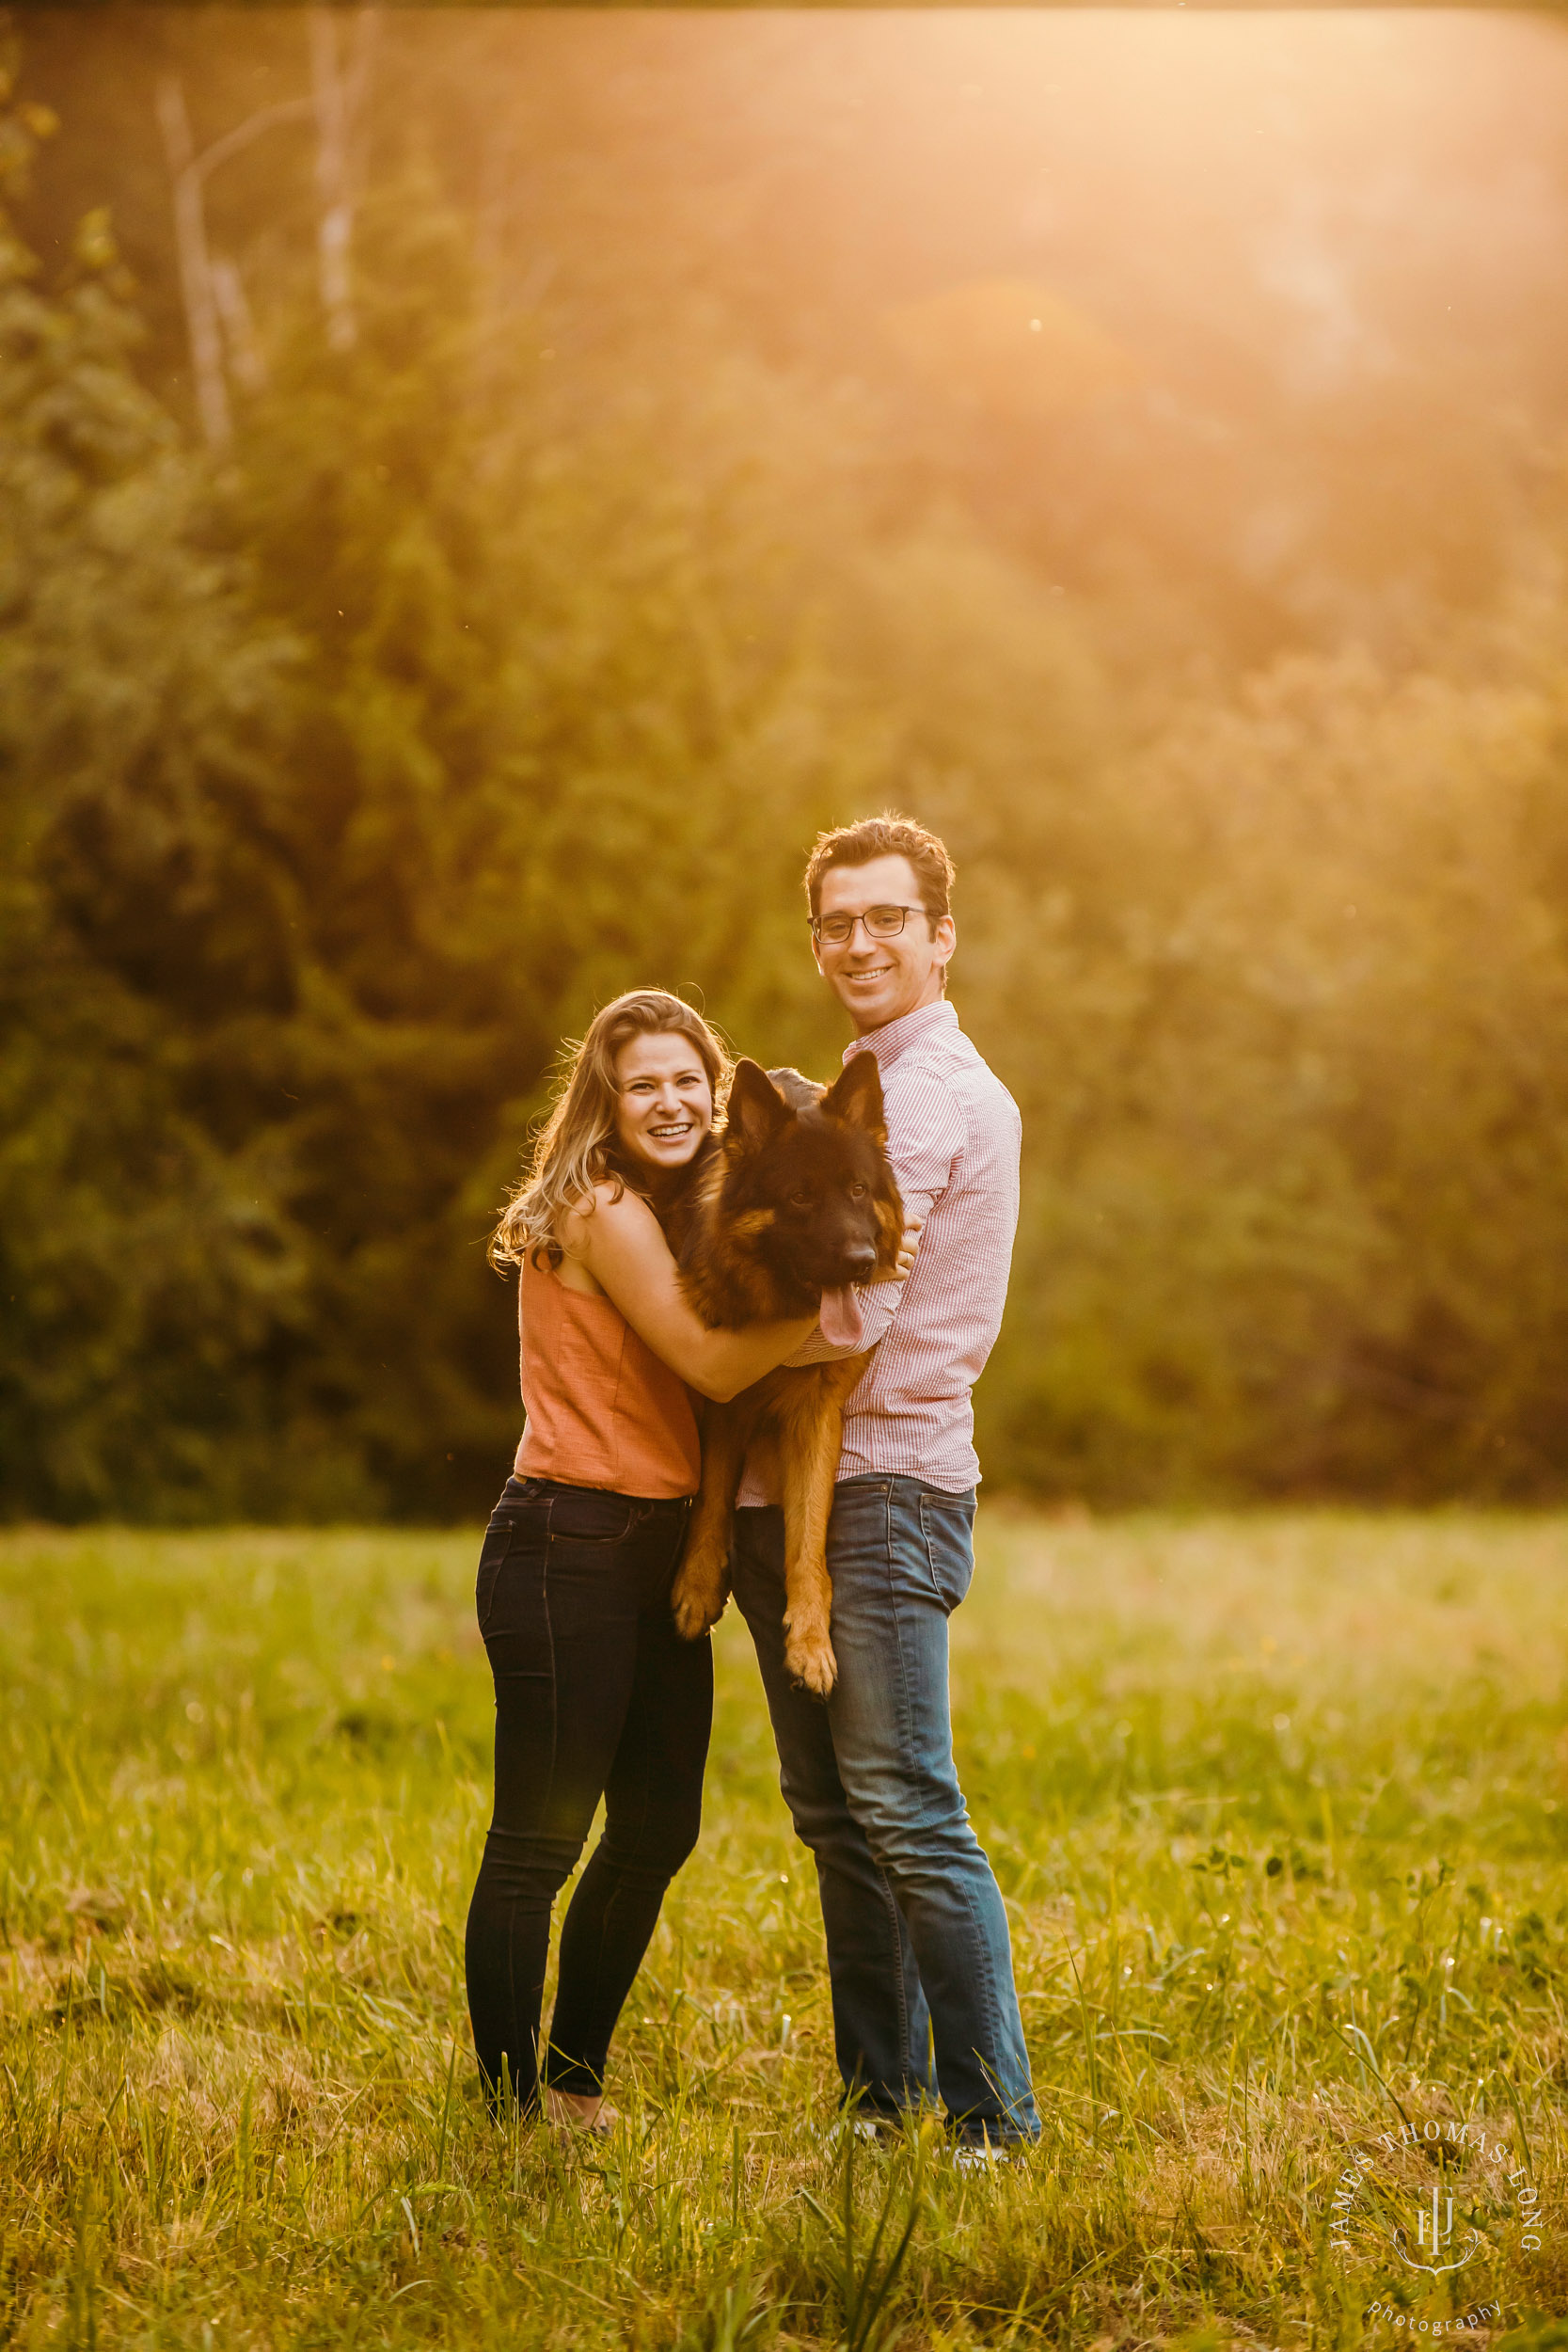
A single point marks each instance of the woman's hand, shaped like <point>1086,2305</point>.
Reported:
<point>906,1248</point>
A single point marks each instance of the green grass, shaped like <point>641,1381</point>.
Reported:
<point>1280,1806</point>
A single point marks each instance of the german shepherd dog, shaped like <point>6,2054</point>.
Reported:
<point>797,1201</point>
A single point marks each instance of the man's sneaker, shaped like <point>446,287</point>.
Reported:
<point>981,2156</point>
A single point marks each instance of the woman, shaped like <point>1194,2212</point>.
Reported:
<point>596,1695</point>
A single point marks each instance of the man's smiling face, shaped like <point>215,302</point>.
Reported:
<point>879,980</point>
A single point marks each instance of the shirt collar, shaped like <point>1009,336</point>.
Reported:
<point>896,1036</point>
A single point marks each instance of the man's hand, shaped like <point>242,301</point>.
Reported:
<point>907,1249</point>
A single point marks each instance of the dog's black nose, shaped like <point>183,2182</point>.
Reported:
<point>860,1262</point>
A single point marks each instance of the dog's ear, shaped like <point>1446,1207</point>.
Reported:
<point>757,1111</point>
<point>857,1096</point>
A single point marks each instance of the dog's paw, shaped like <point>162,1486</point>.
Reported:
<point>697,1599</point>
<point>809,1657</point>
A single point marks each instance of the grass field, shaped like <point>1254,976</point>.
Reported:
<point>1280,1806</point>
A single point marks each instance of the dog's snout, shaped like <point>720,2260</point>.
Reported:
<point>862,1258</point>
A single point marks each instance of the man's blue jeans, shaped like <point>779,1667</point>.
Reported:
<point>918,1953</point>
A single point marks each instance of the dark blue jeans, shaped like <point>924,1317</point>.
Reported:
<point>596,1695</point>
<point>918,1952</point>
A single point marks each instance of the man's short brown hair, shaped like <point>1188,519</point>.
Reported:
<point>887,835</point>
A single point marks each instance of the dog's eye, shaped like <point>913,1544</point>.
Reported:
<point>800,1200</point>
<point>857,1190</point>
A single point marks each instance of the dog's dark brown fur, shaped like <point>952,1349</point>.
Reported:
<point>798,1198</point>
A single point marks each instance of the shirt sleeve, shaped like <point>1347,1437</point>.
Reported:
<point>816,1350</point>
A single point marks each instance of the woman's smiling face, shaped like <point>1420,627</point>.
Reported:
<point>663,1102</point>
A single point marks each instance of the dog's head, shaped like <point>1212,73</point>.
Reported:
<point>806,1185</point>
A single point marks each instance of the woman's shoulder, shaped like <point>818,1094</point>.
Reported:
<point>608,1197</point>
<point>611,1192</point>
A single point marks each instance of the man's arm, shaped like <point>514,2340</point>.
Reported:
<point>879,1304</point>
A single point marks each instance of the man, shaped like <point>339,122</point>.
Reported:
<point>918,1952</point>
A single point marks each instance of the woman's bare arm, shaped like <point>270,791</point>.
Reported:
<point>622,1247</point>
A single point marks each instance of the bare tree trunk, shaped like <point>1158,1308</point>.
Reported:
<point>213,295</point>
<point>246,363</point>
<point>338,88</point>
<point>196,272</point>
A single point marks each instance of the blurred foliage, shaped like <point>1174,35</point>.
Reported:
<point>342,777</point>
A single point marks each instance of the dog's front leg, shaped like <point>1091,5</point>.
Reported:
<point>701,1583</point>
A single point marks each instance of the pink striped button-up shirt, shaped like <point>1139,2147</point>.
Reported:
<point>953,1138</point>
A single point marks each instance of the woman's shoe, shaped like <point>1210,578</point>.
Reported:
<point>570,2111</point>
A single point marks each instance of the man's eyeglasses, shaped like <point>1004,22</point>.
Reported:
<point>880,923</point>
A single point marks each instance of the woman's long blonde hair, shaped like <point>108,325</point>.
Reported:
<point>576,1148</point>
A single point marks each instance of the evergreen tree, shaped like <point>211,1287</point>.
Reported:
<point>148,1252</point>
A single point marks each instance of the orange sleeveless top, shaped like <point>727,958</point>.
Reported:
<point>602,1410</point>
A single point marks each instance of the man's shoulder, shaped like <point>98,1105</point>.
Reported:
<point>985,1087</point>
<point>953,1059</point>
<point>946,1086</point>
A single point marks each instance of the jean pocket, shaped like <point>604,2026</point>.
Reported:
<point>947,1530</point>
<point>590,1515</point>
<point>499,1538</point>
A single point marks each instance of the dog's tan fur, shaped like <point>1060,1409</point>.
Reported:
<point>797,1413</point>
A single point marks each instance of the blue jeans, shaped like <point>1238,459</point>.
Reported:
<point>918,1954</point>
